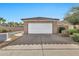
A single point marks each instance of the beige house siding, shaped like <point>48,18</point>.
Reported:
<point>64,24</point>
<point>55,27</point>
<point>26,27</point>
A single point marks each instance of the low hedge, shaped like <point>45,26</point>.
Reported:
<point>71,31</point>
<point>75,37</point>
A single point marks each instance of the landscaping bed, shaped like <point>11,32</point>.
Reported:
<point>73,33</point>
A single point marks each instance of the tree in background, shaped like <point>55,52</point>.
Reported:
<point>73,16</point>
<point>15,24</point>
<point>10,24</point>
<point>2,20</point>
<point>20,24</point>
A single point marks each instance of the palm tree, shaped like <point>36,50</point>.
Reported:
<point>2,20</point>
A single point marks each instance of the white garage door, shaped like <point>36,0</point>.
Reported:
<point>40,28</point>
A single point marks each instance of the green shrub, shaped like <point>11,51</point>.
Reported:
<point>75,37</point>
<point>2,30</point>
<point>61,29</point>
<point>71,31</point>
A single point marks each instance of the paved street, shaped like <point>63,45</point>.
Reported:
<point>39,53</point>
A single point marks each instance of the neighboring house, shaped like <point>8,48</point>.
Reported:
<point>40,25</point>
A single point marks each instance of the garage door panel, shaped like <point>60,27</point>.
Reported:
<point>39,28</point>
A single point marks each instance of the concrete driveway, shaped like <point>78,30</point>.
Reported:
<point>42,39</point>
<point>41,44</point>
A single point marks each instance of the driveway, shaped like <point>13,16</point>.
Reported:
<point>41,44</point>
<point>42,39</point>
<point>39,41</point>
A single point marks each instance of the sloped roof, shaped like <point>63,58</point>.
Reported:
<point>40,18</point>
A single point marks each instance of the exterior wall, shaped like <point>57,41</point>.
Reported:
<point>55,27</point>
<point>3,36</point>
<point>26,27</point>
<point>70,27</point>
<point>77,26</point>
<point>63,24</point>
<point>54,23</point>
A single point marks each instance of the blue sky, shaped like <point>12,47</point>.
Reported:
<point>17,11</point>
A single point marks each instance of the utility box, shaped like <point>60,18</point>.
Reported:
<point>4,37</point>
